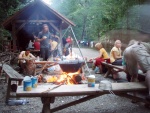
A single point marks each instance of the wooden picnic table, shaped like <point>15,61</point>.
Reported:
<point>11,75</point>
<point>113,69</point>
<point>48,94</point>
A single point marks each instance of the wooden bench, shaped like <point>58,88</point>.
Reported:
<point>11,75</point>
<point>115,69</point>
<point>48,96</point>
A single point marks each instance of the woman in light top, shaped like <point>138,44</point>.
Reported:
<point>115,54</point>
<point>102,56</point>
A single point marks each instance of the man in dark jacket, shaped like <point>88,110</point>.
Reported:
<point>44,38</point>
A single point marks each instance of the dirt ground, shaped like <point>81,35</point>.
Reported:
<point>103,104</point>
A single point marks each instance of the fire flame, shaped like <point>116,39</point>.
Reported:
<point>67,78</point>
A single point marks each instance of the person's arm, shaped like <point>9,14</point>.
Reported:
<point>38,38</point>
<point>32,56</point>
<point>116,56</point>
<point>20,57</point>
<point>100,55</point>
<point>54,36</point>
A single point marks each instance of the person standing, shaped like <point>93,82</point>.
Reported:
<point>44,38</point>
<point>137,55</point>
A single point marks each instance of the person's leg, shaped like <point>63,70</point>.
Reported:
<point>42,52</point>
<point>98,63</point>
<point>55,53</point>
<point>47,53</point>
<point>100,69</point>
<point>117,62</point>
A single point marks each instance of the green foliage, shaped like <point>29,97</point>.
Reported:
<point>7,8</point>
<point>94,18</point>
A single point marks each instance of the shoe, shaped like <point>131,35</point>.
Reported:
<point>98,73</point>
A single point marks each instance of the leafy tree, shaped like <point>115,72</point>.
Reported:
<point>7,8</point>
<point>94,18</point>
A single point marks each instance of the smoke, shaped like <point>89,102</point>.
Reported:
<point>139,17</point>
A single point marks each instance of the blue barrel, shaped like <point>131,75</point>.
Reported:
<point>34,82</point>
<point>27,85</point>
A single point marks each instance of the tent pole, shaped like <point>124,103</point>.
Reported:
<point>80,50</point>
<point>65,32</point>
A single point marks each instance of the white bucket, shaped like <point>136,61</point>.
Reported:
<point>91,81</point>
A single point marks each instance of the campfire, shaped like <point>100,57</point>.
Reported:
<point>70,78</point>
<point>72,73</point>
<point>67,78</point>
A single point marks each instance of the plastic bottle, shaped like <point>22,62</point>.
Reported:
<point>38,58</point>
<point>17,102</point>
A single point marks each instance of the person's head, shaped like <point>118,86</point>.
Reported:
<point>118,43</point>
<point>69,36</point>
<point>27,52</point>
<point>45,28</point>
<point>98,46</point>
<point>132,42</point>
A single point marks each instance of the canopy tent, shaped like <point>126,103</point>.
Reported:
<point>28,21</point>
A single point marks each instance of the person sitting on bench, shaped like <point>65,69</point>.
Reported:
<point>137,54</point>
<point>102,55</point>
<point>24,55</point>
<point>115,54</point>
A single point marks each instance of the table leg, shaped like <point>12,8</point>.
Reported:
<point>108,72</point>
<point>46,104</point>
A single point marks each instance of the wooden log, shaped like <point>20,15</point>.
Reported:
<point>77,78</point>
<point>34,21</point>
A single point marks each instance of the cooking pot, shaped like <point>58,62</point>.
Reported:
<point>71,66</point>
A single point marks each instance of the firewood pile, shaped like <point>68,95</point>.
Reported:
<point>8,57</point>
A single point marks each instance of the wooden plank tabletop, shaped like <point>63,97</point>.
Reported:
<point>74,90</point>
<point>44,62</point>
<point>34,50</point>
